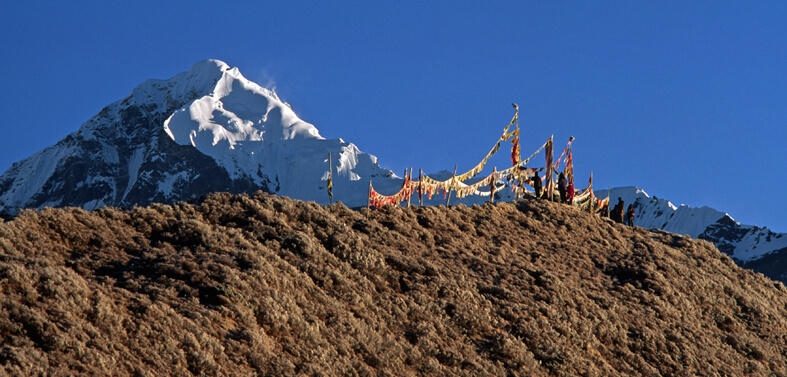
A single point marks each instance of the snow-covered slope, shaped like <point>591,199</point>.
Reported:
<point>204,130</point>
<point>745,243</point>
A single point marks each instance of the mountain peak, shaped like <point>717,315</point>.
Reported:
<point>198,81</point>
<point>235,121</point>
<point>203,130</point>
<point>208,65</point>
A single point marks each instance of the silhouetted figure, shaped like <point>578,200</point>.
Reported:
<point>617,211</point>
<point>562,186</point>
<point>536,183</point>
<point>630,215</point>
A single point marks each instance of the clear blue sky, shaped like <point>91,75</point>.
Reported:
<point>687,100</point>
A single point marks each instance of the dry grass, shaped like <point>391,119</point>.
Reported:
<point>239,285</point>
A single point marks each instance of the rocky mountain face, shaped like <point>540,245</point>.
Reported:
<point>205,130</point>
<point>264,285</point>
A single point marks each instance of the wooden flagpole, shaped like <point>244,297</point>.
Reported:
<point>448,197</point>
<point>592,197</point>
<point>330,177</point>
<point>492,186</point>
<point>552,172</point>
<point>410,195</point>
<point>420,187</point>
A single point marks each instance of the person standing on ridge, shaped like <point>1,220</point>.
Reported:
<point>617,211</point>
<point>536,183</point>
<point>630,215</point>
<point>562,186</point>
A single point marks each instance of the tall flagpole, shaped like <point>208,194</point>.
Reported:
<point>592,196</point>
<point>448,198</point>
<point>420,187</point>
<point>330,177</point>
<point>409,180</point>
<point>492,186</point>
<point>550,169</point>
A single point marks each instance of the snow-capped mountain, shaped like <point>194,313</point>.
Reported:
<point>750,246</point>
<point>210,129</point>
<point>204,130</point>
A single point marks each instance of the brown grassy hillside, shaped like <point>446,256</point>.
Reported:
<point>239,285</point>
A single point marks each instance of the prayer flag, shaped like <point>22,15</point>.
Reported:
<point>550,169</point>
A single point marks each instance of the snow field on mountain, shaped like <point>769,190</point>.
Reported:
<point>655,213</point>
<point>250,132</point>
<point>39,168</point>
<point>200,79</point>
<point>758,242</point>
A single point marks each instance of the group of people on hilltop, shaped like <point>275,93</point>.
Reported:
<point>566,190</point>
<point>565,187</point>
<point>619,216</point>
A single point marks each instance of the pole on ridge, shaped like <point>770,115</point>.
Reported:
<point>521,178</point>
<point>552,172</point>
<point>448,197</point>
<point>492,186</point>
<point>409,183</point>
<point>402,191</point>
<point>330,177</point>
<point>420,187</point>
<point>550,169</point>
<point>592,197</point>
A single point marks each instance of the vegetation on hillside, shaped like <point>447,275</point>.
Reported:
<point>262,285</point>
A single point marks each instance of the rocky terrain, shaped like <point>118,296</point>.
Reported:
<point>262,285</point>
